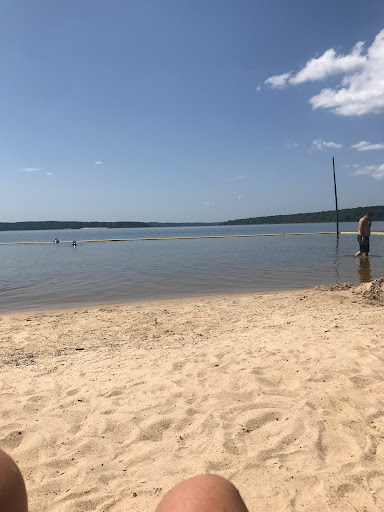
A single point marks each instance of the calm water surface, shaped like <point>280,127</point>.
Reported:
<point>57,275</point>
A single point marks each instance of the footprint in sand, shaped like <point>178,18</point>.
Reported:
<point>12,440</point>
<point>155,431</point>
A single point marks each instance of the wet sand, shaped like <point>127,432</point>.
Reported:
<point>105,408</point>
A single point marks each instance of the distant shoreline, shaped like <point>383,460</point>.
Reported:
<point>344,215</point>
<point>56,225</point>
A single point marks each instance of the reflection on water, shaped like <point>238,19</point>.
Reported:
<point>337,261</point>
<point>364,270</point>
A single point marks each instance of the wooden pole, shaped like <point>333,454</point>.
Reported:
<point>337,211</point>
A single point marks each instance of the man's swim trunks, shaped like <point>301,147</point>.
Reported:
<point>364,243</point>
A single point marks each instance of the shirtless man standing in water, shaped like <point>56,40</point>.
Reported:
<point>364,233</point>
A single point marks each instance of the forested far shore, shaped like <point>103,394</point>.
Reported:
<point>345,215</point>
<point>53,224</point>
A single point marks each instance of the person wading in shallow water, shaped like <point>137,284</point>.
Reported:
<point>363,234</point>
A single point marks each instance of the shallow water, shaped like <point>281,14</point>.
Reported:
<point>57,275</point>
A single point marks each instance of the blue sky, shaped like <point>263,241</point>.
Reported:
<point>184,111</point>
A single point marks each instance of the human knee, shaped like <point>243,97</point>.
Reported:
<point>203,493</point>
<point>13,496</point>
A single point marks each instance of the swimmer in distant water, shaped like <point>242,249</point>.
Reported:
<point>56,241</point>
<point>74,243</point>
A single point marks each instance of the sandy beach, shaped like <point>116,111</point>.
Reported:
<point>106,408</point>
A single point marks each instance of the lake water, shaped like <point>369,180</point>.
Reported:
<point>51,275</point>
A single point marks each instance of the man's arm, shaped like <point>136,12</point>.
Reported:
<point>361,227</point>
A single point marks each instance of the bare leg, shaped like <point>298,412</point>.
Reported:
<point>203,493</point>
<point>13,496</point>
<point>357,254</point>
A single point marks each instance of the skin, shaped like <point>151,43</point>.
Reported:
<point>13,496</point>
<point>364,230</point>
<point>202,493</point>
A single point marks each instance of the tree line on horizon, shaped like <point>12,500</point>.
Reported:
<point>345,215</point>
<point>57,224</point>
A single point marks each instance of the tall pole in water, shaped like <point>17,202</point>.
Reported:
<point>337,211</point>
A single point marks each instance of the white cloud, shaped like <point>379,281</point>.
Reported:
<point>278,81</point>
<point>208,204</point>
<point>321,145</point>
<point>367,146</point>
<point>49,173</point>
<point>239,197</point>
<point>292,145</point>
<point>330,64</point>
<point>258,88</point>
<point>375,171</point>
<point>361,88</point>
<point>99,163</point>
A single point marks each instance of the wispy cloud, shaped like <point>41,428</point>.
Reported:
<point>208,204</point>
<point>322,145</point>
<point>239,197</point>
<point>361,88</point>
<point>367,146</point>
<point>375,171</point>
<point>99,163</point>
<point>292,145</point>
<point>37,169</point>
<point>278,81</point>
<point>235,178</point>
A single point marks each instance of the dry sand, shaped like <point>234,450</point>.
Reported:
<point>105,408</point>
